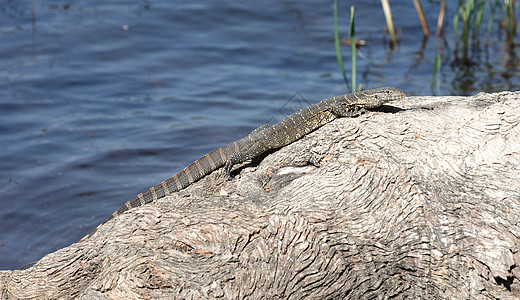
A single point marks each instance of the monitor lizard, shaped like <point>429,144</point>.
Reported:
<point>262,139</point>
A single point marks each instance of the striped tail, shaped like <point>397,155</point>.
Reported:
<point>200,168</point>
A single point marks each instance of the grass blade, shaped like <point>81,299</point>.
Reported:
<point>389,22</point>
<point>436,74</point>
<point>420,12</point>
<point>353,48</point>
<point>440,19</point>
<point>337,44</point>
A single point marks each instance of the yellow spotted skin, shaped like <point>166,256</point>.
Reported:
<point>263,139</point>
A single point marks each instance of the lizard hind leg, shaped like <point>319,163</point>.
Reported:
<point>254,150</point>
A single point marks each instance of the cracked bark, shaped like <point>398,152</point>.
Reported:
<point>418,202</point>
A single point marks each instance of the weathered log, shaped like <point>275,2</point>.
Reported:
<point>418,202</point>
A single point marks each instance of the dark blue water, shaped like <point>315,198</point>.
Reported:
<point>101,99</point>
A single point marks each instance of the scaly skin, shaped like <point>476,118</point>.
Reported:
<point>263,139</point>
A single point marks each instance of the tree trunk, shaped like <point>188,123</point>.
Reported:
<point>416,200</point>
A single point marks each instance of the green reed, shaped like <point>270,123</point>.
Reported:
<point>389,22</point>
<point>472,20</point>
<point>436,74</point>
<point>353,48</point>
<point>337,44</point>
<point>470,15</point>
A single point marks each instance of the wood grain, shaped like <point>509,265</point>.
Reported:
<point>419,202</point>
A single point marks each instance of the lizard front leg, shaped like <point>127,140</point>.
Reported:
<point>351,111</point>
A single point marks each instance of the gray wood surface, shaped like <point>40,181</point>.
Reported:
<point>417,200</point>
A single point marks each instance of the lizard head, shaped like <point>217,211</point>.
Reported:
<point>376,97</point>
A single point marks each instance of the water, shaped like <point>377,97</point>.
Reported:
<point>100,100</point>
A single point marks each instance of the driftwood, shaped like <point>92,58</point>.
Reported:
<point>418,200</point>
